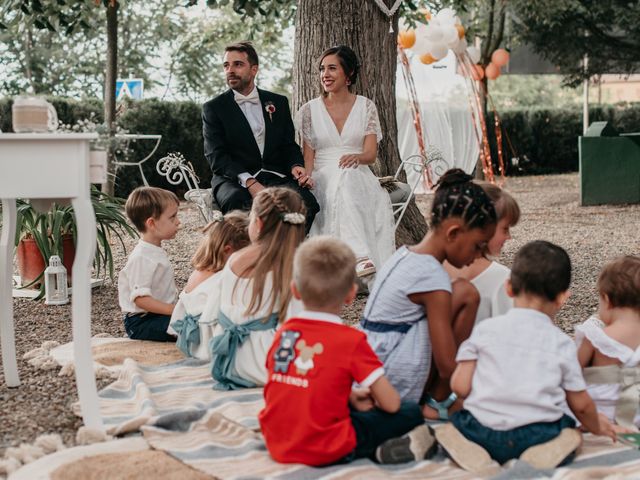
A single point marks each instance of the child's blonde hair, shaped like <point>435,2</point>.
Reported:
<point>620,282</point>
<point>282,213</point>
<point>505,205</point>
<point>148,202</point>
<point>324,270</point>
<point>230,229</point>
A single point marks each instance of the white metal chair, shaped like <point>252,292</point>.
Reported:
<point>129,137</point>
<point>404,192</point>
<point>176,169</point>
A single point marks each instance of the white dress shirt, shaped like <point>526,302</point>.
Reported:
<point>524,364</point>
<point>252,109</point>
<point>148,272</point>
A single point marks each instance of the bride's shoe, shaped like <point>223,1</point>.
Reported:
<point>364,267</point>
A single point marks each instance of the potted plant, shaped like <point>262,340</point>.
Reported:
<point>40,235</point>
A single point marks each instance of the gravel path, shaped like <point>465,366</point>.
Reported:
<point>591,235</point>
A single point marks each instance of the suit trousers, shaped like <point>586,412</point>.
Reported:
<point>230,195</point>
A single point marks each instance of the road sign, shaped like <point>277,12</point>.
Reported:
<point>129,87</point>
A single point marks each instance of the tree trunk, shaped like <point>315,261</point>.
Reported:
<point>110,90</point>
<point>361,25</point>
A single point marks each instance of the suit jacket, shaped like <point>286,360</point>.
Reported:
<point>229,144</point>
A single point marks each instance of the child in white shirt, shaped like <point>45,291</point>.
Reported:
<point>516,371</point>
<point>196,312</point>
<point>146,285</point>
<point>611,355</point>
<point>487,275</point>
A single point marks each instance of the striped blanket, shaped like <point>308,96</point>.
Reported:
<point>215,445</point>
<point>216,432</point>
<point>143,392</point>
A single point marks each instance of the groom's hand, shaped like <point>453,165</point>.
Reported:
<point>300,174</point>
<point>254,187</point>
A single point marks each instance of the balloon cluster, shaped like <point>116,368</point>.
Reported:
<point>444,32</point>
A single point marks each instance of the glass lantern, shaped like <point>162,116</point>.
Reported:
<point>55,282</point>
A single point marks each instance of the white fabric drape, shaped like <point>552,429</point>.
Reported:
<point>445,109</point>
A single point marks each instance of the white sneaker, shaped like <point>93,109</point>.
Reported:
<point>551,454</point>
<point>468,455</point>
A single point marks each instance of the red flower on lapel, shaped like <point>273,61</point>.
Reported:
<point>270,108</point>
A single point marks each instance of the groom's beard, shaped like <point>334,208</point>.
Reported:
<point>239,84</point>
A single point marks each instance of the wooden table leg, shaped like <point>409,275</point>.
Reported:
<point>7,334</point>
<point>81,312</point>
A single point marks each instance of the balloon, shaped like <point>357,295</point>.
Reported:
<point>492,71</point>
<point>461,46</point>
<point>422,44</point>
<point>438,51</point>
<point>500,57</point>
<point>434,32</point>
<point>449,35</point>
<point>426,13</point>
<point>407,38</point>
<point>447,15</point>
<point>427,59</point>
<point>477,73</point>
<point>474,54</point>
<point>460,29</point>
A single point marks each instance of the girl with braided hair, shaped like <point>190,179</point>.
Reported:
<point>194,315</point>
<point>255,295</point>
<point>414,312</point>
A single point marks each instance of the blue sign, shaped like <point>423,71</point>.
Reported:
<point>129,87</point>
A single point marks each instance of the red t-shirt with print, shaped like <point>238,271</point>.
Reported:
<point>311,367</point>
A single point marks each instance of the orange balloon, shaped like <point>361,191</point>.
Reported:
<point>460,29</point>
<point>427,59</point>
<point>492,71</point>
<point>500,57</point>
<point>477,72</point>
<point>407,38</point>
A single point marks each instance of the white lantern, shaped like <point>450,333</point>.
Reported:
<point>55,282</point>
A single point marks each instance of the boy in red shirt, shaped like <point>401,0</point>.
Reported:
<point>312,415</point>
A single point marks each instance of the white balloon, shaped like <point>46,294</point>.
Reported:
<point>438,51</point>
<point>447,16</point>
<point>434,33</point>
<point>461,46</point>
<point>474,54</point>
<point>450,35</point>
<point>422,44</point>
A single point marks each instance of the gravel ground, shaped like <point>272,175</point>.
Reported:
<point>591,235</point>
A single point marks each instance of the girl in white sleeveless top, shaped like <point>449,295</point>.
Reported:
<point>194,316</point>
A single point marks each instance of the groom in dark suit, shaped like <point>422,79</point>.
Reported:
<point>249,138</point>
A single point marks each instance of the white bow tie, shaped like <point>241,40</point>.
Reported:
<point>251,98</point>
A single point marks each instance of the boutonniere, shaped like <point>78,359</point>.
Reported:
<point>270,108</point>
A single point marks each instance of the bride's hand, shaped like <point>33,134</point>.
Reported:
<point>351,160</point>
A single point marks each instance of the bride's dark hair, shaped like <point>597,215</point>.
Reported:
<point>348,61</point>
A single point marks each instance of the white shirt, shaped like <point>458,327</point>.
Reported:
<point>524,364</point>
<point>148,272</point>
<point>252,109</point>
<point>490,283</point>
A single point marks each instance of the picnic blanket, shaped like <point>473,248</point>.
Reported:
<point>143,392</point>
<point>218,446</point>
<point>109,353</point>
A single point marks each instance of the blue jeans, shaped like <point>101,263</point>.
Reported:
<point>148,326</point>
<point>503,445</point>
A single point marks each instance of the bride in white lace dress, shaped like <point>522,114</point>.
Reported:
<point>340,133</point>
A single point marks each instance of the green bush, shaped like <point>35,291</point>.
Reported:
<point>545,140</point>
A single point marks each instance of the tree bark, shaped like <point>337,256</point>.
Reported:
<point>361,25</point>
<point>110,90</point>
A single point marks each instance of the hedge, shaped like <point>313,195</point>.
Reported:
<point>545,139</point>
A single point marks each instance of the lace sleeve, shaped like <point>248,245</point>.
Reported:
<point>302,123</point>
<point>373,122</point>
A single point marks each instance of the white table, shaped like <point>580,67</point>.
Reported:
<point>51,167</point>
